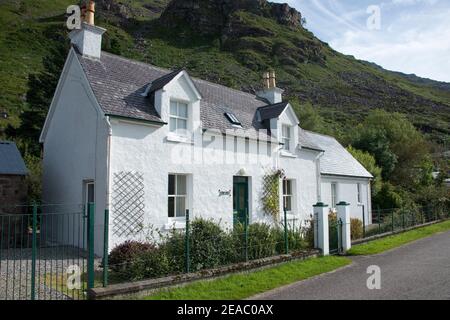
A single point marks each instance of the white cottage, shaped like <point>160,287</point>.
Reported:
<point>149,144</point>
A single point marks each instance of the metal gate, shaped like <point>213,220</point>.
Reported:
<point>44,252</point>
<point>335,235</point>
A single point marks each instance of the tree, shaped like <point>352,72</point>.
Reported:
<point>388,197</point>
<point>39,96</point>
<point>368,161</point>
<point>309,117</point>
<point>398,147</point>
<point>376,143</point>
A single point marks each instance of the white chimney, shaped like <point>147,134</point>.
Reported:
<point>270,91</point>
<point>88,39</point>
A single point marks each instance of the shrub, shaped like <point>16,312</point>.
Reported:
<point>308,234</point>
<point>356,228</point>
<point>174,247</point>
<point>262,241</point>
<point>209,246</point>
<point>150,264</point>
<point>122,256</point>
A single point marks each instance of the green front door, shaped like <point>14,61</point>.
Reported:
<point>240,199</point>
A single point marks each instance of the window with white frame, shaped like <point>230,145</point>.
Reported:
<point>286,136</point>
<point>89,190</point>
<point>333,194</point>
<point>177,196</point>
<point>359,193</point>
<point>287,195</point>
<point>178,116</point>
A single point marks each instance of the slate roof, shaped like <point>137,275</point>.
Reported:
<point>160,83</point>
<point>119,85</point>
<point>11,162</point>
<point>336,160</point>
<point>307,141</point>
<point>272,111</point>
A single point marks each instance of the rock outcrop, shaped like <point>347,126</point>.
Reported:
<point>212,17</point>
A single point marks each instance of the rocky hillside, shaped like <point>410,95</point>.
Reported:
<point>228,41</point>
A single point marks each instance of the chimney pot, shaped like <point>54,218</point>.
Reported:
<point>90,13</point>
<point>272,79</point>
<point>266,82</point>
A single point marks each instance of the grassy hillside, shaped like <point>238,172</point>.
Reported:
<point>342,88</point>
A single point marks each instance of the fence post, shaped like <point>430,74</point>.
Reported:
<point>392,216</point>
<point>91,247</point>
<point>246,235</point>
<point>186,245</point>
<point>321,234</point>
<point>33,253</point>
<point>344,227</point>
<point>379,221</point>
<point>286,240</point>
<point>364,220</point>
<point>105,248</point>
<point>403,219</point>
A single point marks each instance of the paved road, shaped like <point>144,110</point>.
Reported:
<point>420,270</point>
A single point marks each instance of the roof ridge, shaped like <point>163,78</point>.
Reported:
<point>274,104</point>
<point>169,71</point>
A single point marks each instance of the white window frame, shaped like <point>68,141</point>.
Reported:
<point>334,194</point>
<point>176,196</point>
<point>288,195</point>
<point>88,183</point>
<point>359,192</point>
<point>177,117</point>
<point>286,139</point>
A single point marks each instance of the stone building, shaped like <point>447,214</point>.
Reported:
<point>13,188</point>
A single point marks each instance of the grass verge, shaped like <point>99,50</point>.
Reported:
<point>390,242</point>
<point>244,285</point>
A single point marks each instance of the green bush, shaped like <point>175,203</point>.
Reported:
<point>150,264</point>
<point>356,228</point>
<point>210,247</point>
<point>262,241</point>
<point>308,234</point>
<point>124,253</point>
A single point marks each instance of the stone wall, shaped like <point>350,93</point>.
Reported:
<point>13,222</point>
<point>13,190</point>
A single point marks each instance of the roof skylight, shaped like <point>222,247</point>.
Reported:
<point>232,118</point>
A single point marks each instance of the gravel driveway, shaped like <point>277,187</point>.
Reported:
<point>51,271</point>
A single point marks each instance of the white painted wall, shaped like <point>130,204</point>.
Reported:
<point>75,150</point>
<point>145,149</point>
<point>347,191</point>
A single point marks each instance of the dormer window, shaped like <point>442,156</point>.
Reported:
<point>286,137</point>
<point>178,117</point>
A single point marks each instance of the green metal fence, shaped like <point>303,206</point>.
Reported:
<point>335,234</point>
<point>47,252</point>
<point>204,245</point>
<point>385,221</point>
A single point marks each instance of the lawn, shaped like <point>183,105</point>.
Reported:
<point>381,245</point>
<point>244,285</point>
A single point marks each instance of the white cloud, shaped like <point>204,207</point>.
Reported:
<point>414,35</point>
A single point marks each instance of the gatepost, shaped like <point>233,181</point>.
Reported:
<point>321,236</point>
<point>343,214</point>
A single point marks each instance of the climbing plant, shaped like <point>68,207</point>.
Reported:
<point>271,192</point>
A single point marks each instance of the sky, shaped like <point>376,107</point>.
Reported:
<point>411,36</point>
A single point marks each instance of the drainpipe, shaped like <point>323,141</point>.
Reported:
<point>108,163</point>
<point>277,159</point>
<point>319,177</point>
